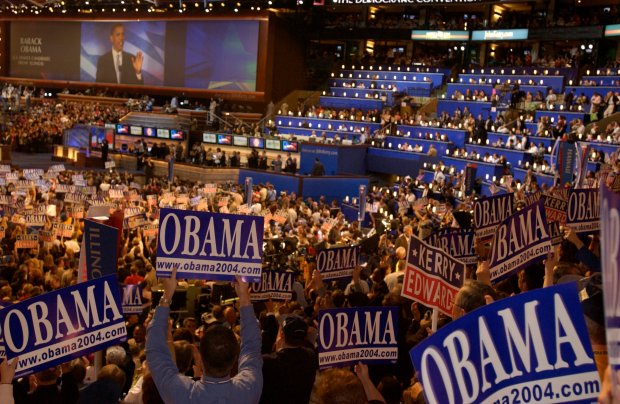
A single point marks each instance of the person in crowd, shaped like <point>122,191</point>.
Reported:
<point>219,351</point>
<point>289,372</point>
<point>318,169</point>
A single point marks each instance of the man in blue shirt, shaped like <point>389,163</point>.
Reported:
<point>219,351</point>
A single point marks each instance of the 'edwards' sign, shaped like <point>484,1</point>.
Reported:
<point>432,276</point>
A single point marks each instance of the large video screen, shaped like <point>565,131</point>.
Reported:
<point>206,54</point>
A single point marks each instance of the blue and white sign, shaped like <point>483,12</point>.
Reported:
<point>101,249</point>
<point>610,254</point>
<point>499,35</point>
<point>362,208</point>
<point>489,213</point>
<point>210,245</point>
<point>567,160</point>
<point>360,334</point>
<point>339,262</point>
<point>63,324</point>
<point>459,243</point>
<point>520,240</point>
<point>423,35</point>
<point>274,285</point>
<point>533,347</point>
<point>132,299</point>
<point>583,210</point>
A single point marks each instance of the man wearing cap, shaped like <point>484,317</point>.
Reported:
<point>290,371</point>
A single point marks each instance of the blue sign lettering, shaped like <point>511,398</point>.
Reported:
<point>583,210</point>
<point>210,245</point>
<point>351,335</point>
<point>273,285</point>
<point>334,263</point>
<point>532,347</point>
<point>520,240</point>
<point>63,324</point>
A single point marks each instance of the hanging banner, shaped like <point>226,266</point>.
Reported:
<point>470,178</point>
<point>101,249</point>
<point>567,161</point>
<point>489,213</point>
<point>583,154</point>
<point>521,239</point>
<point>362,334</point>
<point>339,262</point>
<point>57,326</point>
<point>432,277</point>
<point>274,285</point>
<point>583,210</point>
<point>533,347</point>
<point>362,198</point>
<point>210,245</point>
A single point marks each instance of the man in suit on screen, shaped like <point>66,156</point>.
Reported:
<point>118,66</point>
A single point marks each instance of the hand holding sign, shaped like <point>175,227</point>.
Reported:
<point>170,285</point>
<point>482,272</point>
<point>550,263</point>
<point>610,394</point>
<point>243,291</point>
<point>7,371</point>
<point>573,238</point>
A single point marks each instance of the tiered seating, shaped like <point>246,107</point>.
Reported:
<point>515,157</point>
<point>412,85</point>
<point>373,87</point>
<point>303,126</point>
<point>351,102</point>
<point>475,107</point>
<point>588,91</point>
<point>493,137</point>
<point>528,70</point>
<point>602,77</point>
<point>463,87</point>
<point>600,81</point>
<point>403,143</point>
<point>153,120</point>
<point>455,136</point>
<point>392,74</point>
<point>555,82</point>
<point>555,114</point>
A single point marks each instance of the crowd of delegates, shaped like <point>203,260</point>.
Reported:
<point>354,120</point>
<point>277,358</point>
<point>38,125</point>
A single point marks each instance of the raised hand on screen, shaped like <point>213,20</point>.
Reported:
<point>137,62</point>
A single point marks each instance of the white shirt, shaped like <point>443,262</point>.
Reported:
<point>118,63</point>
